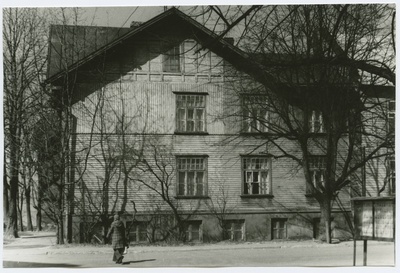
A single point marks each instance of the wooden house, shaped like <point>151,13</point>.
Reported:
<point>159,134</point>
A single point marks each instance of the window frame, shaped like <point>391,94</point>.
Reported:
<point>252,118</point>
<point>188,229</point>
<point>279,230</point>
<point>178,193</point>
<point>316,118</point>
<point>186,108</point>
<point>391,116</point>
<point>169,56</point>
<point>138,232</point>
<point>230,232</point>
<point>316,171</point>
<point>245,171</point>
<point>391,174</point>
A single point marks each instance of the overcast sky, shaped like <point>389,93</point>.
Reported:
<point>119,16</point>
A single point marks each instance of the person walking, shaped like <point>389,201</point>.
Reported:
<point>119,241</point>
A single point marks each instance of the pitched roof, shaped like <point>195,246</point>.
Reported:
<point>159,23</point>
<point>70,43</point>
<point>112,39</point>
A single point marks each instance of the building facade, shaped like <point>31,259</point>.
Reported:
<point>162,135</point>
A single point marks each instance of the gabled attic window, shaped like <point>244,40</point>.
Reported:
<point>171,60</point>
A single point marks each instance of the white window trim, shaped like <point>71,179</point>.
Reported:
<point>189,230</point>
<point>194,120</point>
<point>273,228</point>
<point>264,189</point>
<point>186,170</point>
<point>231,230</point>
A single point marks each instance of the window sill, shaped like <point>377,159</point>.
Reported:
<point>257,196</point>
<point>192,197</point>
<point>191,133</point>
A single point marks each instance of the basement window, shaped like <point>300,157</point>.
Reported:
<point>279,228</point>
<point>137,231</point>
<point>193,231</point>
<point>233,230</point>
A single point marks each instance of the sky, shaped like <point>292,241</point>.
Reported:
<point>119,16</point>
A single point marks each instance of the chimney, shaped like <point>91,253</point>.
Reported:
<point>135,24</point>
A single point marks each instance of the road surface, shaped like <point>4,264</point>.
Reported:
<point>41,252</point>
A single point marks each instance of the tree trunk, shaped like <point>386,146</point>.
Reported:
<point>39,201</point>
<point>28,208</point>
<point>21,223</point>
<point>39,218</point>
<point>326,218</point>
<point>60,231</point>
<point>6,188</point>
<point>12,228</point>
<point>60,222</point>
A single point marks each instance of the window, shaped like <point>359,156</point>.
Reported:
<point>255,114</point>
<point>256,175</point>
<point>279,228</point>
<point>192,176</point>
<point>316,228</point>
<point>190,113</point>
<point>317,168</point>
<point>172,60</point>
<point>233,230</point>
<point>391,116</point>
<point>316,122</point>
<point>392,175</point>
<point>193,231</point>
<point>137,231</point>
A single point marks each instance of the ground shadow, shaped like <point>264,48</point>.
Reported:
<point>13,264</point>
<point>139,261</point>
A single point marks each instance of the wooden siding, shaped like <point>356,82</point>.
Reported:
<point>143,99</point>
<point>376,125</point>
<point>224,174</point>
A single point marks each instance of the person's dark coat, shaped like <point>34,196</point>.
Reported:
<point>117,230</point>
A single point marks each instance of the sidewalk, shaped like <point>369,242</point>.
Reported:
<point>45,243</point>
<point>40,250</point>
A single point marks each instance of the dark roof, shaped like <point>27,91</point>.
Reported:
<point>160,23</point>
<point>70,43</point>
<point>106,39</point>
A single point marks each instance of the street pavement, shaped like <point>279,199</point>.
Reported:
<point>38,250</point>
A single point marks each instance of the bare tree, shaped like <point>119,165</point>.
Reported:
<point>314,108</point>
<point>219,206</point>
<point>24,61</point>
<point>156,171</point>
